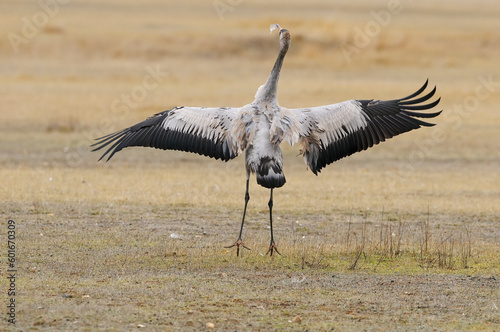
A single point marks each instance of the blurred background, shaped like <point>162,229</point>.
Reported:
<point>75,70</point>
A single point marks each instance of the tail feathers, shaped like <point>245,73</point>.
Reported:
<point>271,179</point>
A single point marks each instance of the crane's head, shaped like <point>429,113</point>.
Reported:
<point>285,36</point>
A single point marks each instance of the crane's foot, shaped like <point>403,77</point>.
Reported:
<point>237,244</point>
<point>272,248</point>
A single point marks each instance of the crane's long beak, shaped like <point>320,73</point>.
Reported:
<point>274,27</point>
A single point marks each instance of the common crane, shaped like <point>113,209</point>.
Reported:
<point>325,133</point>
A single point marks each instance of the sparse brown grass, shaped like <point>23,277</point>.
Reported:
<point>380,240</point>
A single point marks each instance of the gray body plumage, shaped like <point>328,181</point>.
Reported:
<point>263,156</point>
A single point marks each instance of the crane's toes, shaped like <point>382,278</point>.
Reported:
<point>272,248</point>
<point>237,244</point>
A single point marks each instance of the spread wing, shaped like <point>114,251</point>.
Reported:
<point>206,131</point>
<point>329,133</point>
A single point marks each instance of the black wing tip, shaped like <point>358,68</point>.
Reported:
<point>98,147</point>
<point>412,107</point>
<point>110,153</point>
<point>113,139</point>
<point>420,90</point>
<point>430,115</point>
<point>116,139</point>
<point>104,154</point>
<point>98,160</point>
<point>414,102</point>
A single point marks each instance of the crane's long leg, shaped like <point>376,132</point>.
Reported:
<point>239,242</point>
<point>272,245</point>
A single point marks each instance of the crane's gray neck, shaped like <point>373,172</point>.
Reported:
<point>268,91</point>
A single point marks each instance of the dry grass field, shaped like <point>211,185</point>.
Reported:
<point>404,236</point>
